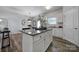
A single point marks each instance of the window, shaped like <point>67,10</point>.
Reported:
<point>52,20</point>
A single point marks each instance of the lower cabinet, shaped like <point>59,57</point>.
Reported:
<point>0,40</point>
<point>47,39</point>
<point>46,43</point>
<point>58,32</point>
<point>42,41</point>
<point>50,36</point>
<point>38,46</point>
<point>37,43</point>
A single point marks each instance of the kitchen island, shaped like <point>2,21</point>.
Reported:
<point>36,40</point>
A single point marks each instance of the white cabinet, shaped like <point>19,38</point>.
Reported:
<point>37,43</point>
<point>58,32</point>
<point>0,42</point>
<point>46,40</point>
<point>50,36</point>
<point>38,46</point>
<point>27,43</point>
<point>42,41</point>
<point>71,24</point>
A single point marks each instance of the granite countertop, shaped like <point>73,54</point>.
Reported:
<point>4,31</point>
<point>33,32</point>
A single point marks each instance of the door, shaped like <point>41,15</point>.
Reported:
<point>76,29</point>
<point>68,25</point>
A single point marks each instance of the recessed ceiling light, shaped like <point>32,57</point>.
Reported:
<point>0,20</point>
<point>48,7</point>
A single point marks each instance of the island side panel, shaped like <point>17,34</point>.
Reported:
<point>47,39</point>
<point>27,43</point>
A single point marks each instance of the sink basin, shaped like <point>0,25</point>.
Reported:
<point>25,28</point>
<point>43,28</point>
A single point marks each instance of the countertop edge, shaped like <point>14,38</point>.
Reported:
<point>36,33</point>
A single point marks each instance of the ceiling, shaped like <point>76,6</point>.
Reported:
<point>28,10</point>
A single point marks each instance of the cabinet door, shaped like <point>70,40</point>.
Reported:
<point>50,36</point>
<point>68,25</point>
<point>27,42</point>
<point>37,37</point>
<point>58,32</point>
<point>0,40</point>
<point>38,46</point>
<point>55,32</point>
<point>48,39</point>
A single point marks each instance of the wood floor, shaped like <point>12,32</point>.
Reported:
<point>15,43</point>
<point>57,45</point>
<point>61,45</point>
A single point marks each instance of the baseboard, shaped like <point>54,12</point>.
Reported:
<point>57,37</point>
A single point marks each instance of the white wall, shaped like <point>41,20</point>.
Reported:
<point>14,20</point>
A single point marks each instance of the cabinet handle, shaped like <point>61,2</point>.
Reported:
<point>40,36</point>
<point>75,28</point>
